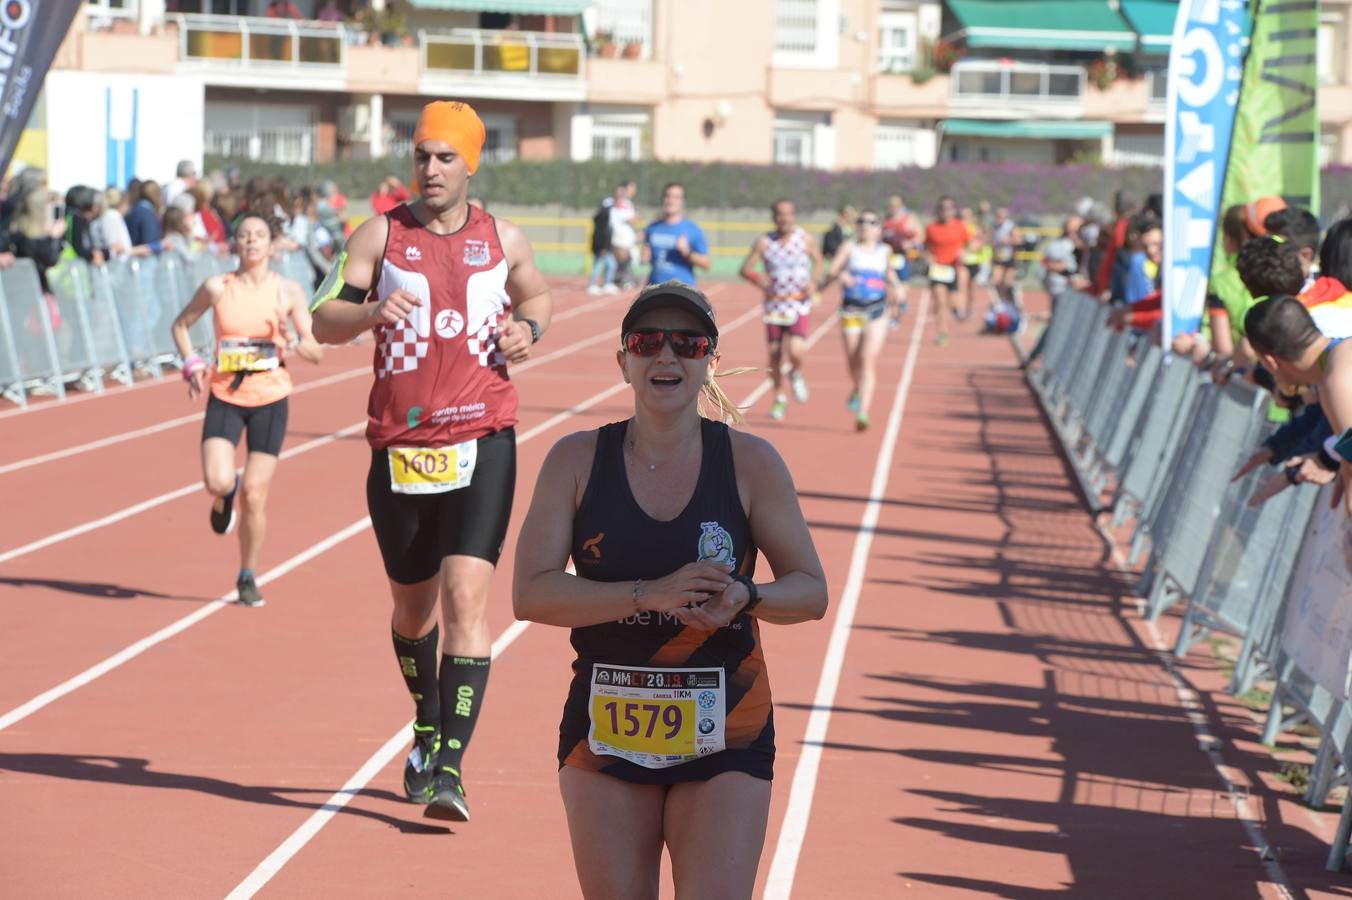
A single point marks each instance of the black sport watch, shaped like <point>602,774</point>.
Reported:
<point>534,330</point>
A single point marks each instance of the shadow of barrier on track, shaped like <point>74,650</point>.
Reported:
<point>105,323</point>
<point>1153,444</point>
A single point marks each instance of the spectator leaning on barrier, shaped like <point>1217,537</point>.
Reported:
<point>1328,299</point>
<point>1114,241</point>
<point>1301,228</point>
<point>1292,348</point>
<point>36,232</point>
<point>207,226</point>
<point>1059,261</point>
<point>329,208</point>
<point>185,177</point>
<point>143,221</point>
<point>1227,298</point>
<point>110,229</point>
<point>82,208</point>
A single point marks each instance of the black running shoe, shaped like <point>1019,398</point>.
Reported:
<point>421,764</point>
<point>247,589</point>
<point>446,797</point>
<point>223,522</point>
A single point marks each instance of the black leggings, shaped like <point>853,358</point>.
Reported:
<point>266,424</point>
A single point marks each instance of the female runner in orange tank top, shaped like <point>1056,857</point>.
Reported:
<point>249,385</point>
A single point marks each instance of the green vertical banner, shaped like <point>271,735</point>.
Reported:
<point>1274,149</point>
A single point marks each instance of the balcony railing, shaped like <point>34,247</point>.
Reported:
<point>246,41</point>
<point>503,54</point>
<point>982,81</point>
<point>1120,159</point>
<point>289,145</point>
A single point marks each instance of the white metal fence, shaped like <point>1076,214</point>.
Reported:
<point>104,323</point>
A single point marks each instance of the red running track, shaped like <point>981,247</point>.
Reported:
<point>1002,725</point>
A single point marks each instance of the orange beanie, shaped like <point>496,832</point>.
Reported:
<point>1256,213</point>
<point>455,123</point>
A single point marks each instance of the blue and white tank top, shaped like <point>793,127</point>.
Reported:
<point>868,268</point>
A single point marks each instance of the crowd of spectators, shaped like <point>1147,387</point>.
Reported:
<point>186,216</point>
<point>1278,308</point>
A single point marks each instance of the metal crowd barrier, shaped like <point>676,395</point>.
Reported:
<point>1156,442</point>
<point>105,323</point>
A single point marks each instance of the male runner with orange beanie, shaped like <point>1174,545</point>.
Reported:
<point>453,296</point>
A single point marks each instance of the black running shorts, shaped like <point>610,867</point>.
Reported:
<point>417,531</point>
<point>266,424</point>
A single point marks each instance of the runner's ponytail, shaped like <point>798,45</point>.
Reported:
<point>714,403</point>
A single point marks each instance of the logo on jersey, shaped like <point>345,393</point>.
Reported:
<point>715,544</point>
<point>476,253</point>
<point>414,417</point>
<point>593,546</point>
<point>449,323</point>
<point>412,252</point>
<point>401,346</point>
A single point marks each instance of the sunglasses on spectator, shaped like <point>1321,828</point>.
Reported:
<point>866,221</point>
<point>685,344</point>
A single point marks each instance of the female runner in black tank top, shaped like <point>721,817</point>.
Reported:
<point>667,734</point>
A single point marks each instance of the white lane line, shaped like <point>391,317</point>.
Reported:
<point>1251,819</point>
<point>168,631</point>
<point>779,883</point>
<point>169,496</point>
<point>47,697</point>
<point>109,441</point>
<point>387,753</point>
<point>170,379</point>
<point>270,866</point>
<point>186,490</point>
<point>345,375</point>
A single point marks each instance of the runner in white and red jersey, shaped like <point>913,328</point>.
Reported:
<point>453,296</point>
<point>792,265</point>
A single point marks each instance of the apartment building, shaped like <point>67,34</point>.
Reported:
<point>830,84</point>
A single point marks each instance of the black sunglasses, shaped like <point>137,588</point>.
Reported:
<point>866,221</point>
<point>685,344</point>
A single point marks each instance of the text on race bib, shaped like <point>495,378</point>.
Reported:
<point>246,356</point>
<point>656,718</point>
<point>432,470</point>
<point>942,273</point>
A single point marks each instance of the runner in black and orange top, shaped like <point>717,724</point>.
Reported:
<point>668,731</point>
<point>249,386</point>
<point>454,296</point>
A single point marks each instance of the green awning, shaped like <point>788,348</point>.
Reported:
<point>1086,25</point>
<point>1069,130</point>
<point>1153,21</point>
<point>521,7</point>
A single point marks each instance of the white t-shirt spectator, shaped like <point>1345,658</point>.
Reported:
<point>622,234</point>
<point>1061,250</point>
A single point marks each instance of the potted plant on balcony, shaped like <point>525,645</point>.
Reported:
<point>632,50</point>
<point>606,48</point>
<point>946,55</point>
<point>1103,72</point>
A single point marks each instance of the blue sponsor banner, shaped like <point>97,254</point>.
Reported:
<point>1206,64</point>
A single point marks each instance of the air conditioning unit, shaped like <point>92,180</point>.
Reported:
<point>354,122</point>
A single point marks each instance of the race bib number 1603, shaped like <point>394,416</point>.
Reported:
<point>432,470</point>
